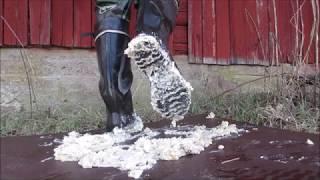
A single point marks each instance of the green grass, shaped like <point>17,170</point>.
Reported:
<point>261,108</point>
<point>43,122</point>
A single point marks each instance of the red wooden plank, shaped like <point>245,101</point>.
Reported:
<point>180,34</point>
<point>1,23</point>
<point>286,31</point>
<point>170,44</point>
<point>244,37</point>
<point>133,21</point>
<point>62,23</point>
<point>180,48</point>
<point>223,31</point>
<point>209,32</point>
<point>39,18</point>
<point>195,36</point>
<point>16,13</point>
<point>93,20</point>
<point>82,23</point>
<point>309,55</point>
<point>182,18</point>
<point>183,5</point>
<point>262,28</point>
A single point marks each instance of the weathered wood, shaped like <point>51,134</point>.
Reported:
<point>262,28</point>
<point>286,31</point>
<point>209,31</point>
<point>244,39</point>
<point>39,26</point>
<point>195,36</point>
<point>308,20</point>
<point>1,23</point>
<point>82,23</point>
<point>16,13</point>
<point>93,20</point>
<point>62,23</point>
<point>223,31</point>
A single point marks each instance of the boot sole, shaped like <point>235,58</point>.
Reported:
<point>170,92</point>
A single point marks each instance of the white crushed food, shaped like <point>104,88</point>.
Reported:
<point>309,142</point>
<point>138,151</point>
<point>170,92</point>
<point>221,147</point>
<point>211,115</point>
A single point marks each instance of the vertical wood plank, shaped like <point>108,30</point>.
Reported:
<point>93,20</point>
<point>195,36</point>
<point>133,21</point>
<point>39,26</point>
<point>244,37</point>
<point>308,23</point>
<point>170,44</point>
<point>62,23</point>
<point>180,40</point>
<point>263,31</point>
<point>1,23</point>
<point>209,32</point>
<point>16,13</point>
<point>285,30</point>
<point>82,23</point>
<point>223,31</point>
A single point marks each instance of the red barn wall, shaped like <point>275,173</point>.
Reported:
<point>209,31</point>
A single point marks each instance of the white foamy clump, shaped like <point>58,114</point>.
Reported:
<point>211,115</point>
<point>136,152</point>
<point>170,92</point>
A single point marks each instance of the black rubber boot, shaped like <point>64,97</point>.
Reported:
<point>170,92</point>
<point>111,38</point>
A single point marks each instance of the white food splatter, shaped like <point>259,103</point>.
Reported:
<point>144,148</point>
<point>46,159</point>
<point>221,147</point>
<point>170,92</point>
<point>309,142</point>
<point>211,115</point>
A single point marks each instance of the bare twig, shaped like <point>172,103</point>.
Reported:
<point>258,33</point>
<point>276,30</point>
<point>312,33</point>
<point>32,96</point>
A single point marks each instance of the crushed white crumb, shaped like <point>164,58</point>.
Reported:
<point>211,115</point>
<point>112,150</point>
<point>309,142</point>
<point>221,147</point>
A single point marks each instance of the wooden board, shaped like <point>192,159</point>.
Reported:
<point>309,46</point>
<point>62,23</point>
<point>209,31</point>
<point>195,35</point>
<point>180,40</point>
<point>244,38</point>
<point>82,23</point>
<point>16,14</point>
<point>223,31</point>
<point>39,23</point>
<point>286,31</point>
<point>93,20</point>
<point>1,23</point>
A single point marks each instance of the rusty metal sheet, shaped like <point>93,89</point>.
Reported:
<point>265,153</point>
